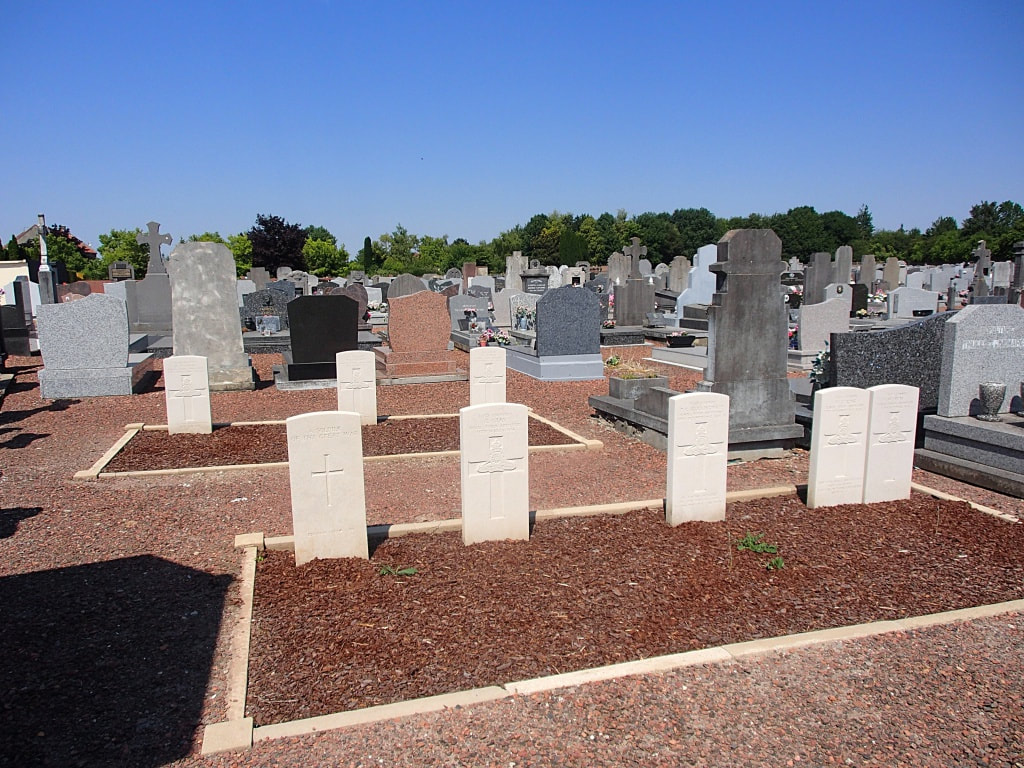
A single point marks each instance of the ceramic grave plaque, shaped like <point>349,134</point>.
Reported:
<point>187,394</point>
<point>495,472</point>
<point>486,375</point>
<point>892,427</point>
<point>357,384</point>
<point>838,442</point>
<point>325,469</point>
<point>698,446</point>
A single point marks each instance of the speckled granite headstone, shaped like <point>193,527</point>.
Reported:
<point>90,333</point>
<point>405,285</point>
<point>266,302</point>
<point>479,292</point>
<point>453,274</point>
<point>204,303</point>
<point>568,322</point>
<point>358,294</point>
<point>817,323</point>
<point>457,306</point>
<point>483,281</point>
<point>910,354</point>
<point>419,323</point>
<point>982,343</point>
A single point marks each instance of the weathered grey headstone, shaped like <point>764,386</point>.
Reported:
<point>678,273</point>
<point>357,384</point>
<point>891,273</point>
<point>618,268</point>
<point>282,273</point>
<point>205,312</point>
<point>515,265</point>
<point>260,277</point>
<point>486,375</point>
<point>892,427</point>
<point>866,275</point>
<point>981,343</point>
<point>748,337</point>
<point>568,323</point>
<point>454,274</point>
<point>843,265</point>
<point>838,443</point>
<point>405,285</point>
<point>457,306</point>
<point>502,307</point>
<point>494,463</point>
<point>325,470</point>
<point>242,287</point>
<point>187,395</point>
<point>152,294</point>
<point>916,280</point>
<point>483,281</point>
<point>698,447</point>
<point>819,273</point>
<point>121,270</point>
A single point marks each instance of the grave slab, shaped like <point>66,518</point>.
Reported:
<point>487,375</point>
<point>187,395</point>
<point>698,443</point>
<point>357,384</point>
<point>838,445</point>
<point>892,426</point>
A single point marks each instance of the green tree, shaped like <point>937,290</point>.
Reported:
<point>368,257</point>
<point>697,227</point>
<point>571,248</point>
<point>320,233</point>
<point>13,252</point>
<point>801,231</point>
<point>597,248</point>
<point>122,245</point>
<point>661,236</point>
<point>207,237</point>
<point>323,259</point>
<point>241,249</point>
<point>865,223</point>
<point>433,253</point>
<point>64,247</point>
<point>276,243</point>
<point>840,229</point>
<point>398,250</point>
<point>505,244</point>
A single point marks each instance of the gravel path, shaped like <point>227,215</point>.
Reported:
<point>942,696</point>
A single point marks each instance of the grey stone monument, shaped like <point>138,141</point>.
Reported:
<point>866,275</point>
<point>205,312</point>
<point>843,265</point>
<point>891,273</point>
<point>152,295</point>
<point>405,285</point>
<point>748,335</point>
<point>819,273</point>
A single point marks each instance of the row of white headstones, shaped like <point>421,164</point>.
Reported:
<point>862,445</point>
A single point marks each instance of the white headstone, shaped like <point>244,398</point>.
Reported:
<point>892,427</point>
<point>495,472</point>
<point>838,440</point>
<point>357,384</point>
<point>486,375</point>
<point>701,281</point>
<point>187,393</point>
<point>698,446</point>
<point>325,469</point>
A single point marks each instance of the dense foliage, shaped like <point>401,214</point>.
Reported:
<point>276,243</point>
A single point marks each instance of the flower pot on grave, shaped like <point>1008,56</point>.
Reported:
<point>680,341</point>
<point>631,389</point>
<point>991,394</point>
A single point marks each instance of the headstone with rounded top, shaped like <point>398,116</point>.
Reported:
<point>187,395</point>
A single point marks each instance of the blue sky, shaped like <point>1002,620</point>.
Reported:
<point>464,119</point>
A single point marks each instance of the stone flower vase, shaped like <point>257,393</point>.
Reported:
<point>991,394</point>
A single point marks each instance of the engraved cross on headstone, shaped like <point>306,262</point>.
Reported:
<point>326,474</point>
<point>186,394</point>
<point>701,447</point>
<point>843,437</point>
<point>893,434</point>
<point>635,252</point>
<point>356,381</point>
<point>154,240</point>
<point>496,465</point>
<point>489,375</point>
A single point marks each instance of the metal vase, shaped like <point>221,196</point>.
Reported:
<point>991,394</point>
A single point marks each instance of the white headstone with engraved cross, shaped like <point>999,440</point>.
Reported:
<point>495,473</point>
<point>486,375</point>
<point>325,469</point>
<point>838,442</point>
<point>698,447</point>
<point>892,427</point>
<point>357,383</point>
<point>187,393</point>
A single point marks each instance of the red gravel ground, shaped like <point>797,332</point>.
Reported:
<point>115,593</point>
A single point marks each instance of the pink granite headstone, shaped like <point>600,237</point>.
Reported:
<point>418,333</point>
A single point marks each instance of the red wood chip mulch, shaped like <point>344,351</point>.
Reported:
<point>265,443</point>
<point>338,635</point>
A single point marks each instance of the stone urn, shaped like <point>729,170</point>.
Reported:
<point>991,394</point>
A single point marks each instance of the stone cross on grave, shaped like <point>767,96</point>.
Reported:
<point>635,252</point>
<point>701,448</point>
<point>496,465</point>
<point>844,437</point>
<point>154,240</point>
<point>327,474</point>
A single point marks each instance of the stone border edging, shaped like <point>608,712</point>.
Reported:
<point>96,470</point>
<point>950,497</point>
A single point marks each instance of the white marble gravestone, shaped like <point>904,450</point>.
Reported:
<point>701,282</point>
<point>486,375</point>
<point>892,427</point>
<point>838,441</point>
<point>495,472</point>
<point>698,447</point>
<point>325,470</point>
<point>187,393</point>
<point>357,384</point>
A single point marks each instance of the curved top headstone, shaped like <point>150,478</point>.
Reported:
<point>405,285</point>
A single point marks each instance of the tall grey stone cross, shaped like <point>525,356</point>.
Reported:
<point>635,252</point>
<point>154,240</point>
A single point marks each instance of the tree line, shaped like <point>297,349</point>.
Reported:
<point>562,238</point>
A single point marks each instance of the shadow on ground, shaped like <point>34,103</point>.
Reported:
<point>9,519</point>
<point>106,664</point>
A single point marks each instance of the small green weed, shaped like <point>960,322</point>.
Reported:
<point>775,564</point>
<point>390,570</point>
<point>613,361</point>
<point>753,543</point>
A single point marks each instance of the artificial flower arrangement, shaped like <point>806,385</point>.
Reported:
<point>495,335</point>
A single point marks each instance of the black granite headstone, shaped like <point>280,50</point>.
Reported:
<point>15,331</point>
<point>321,327</point>
<point>859,300</point>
